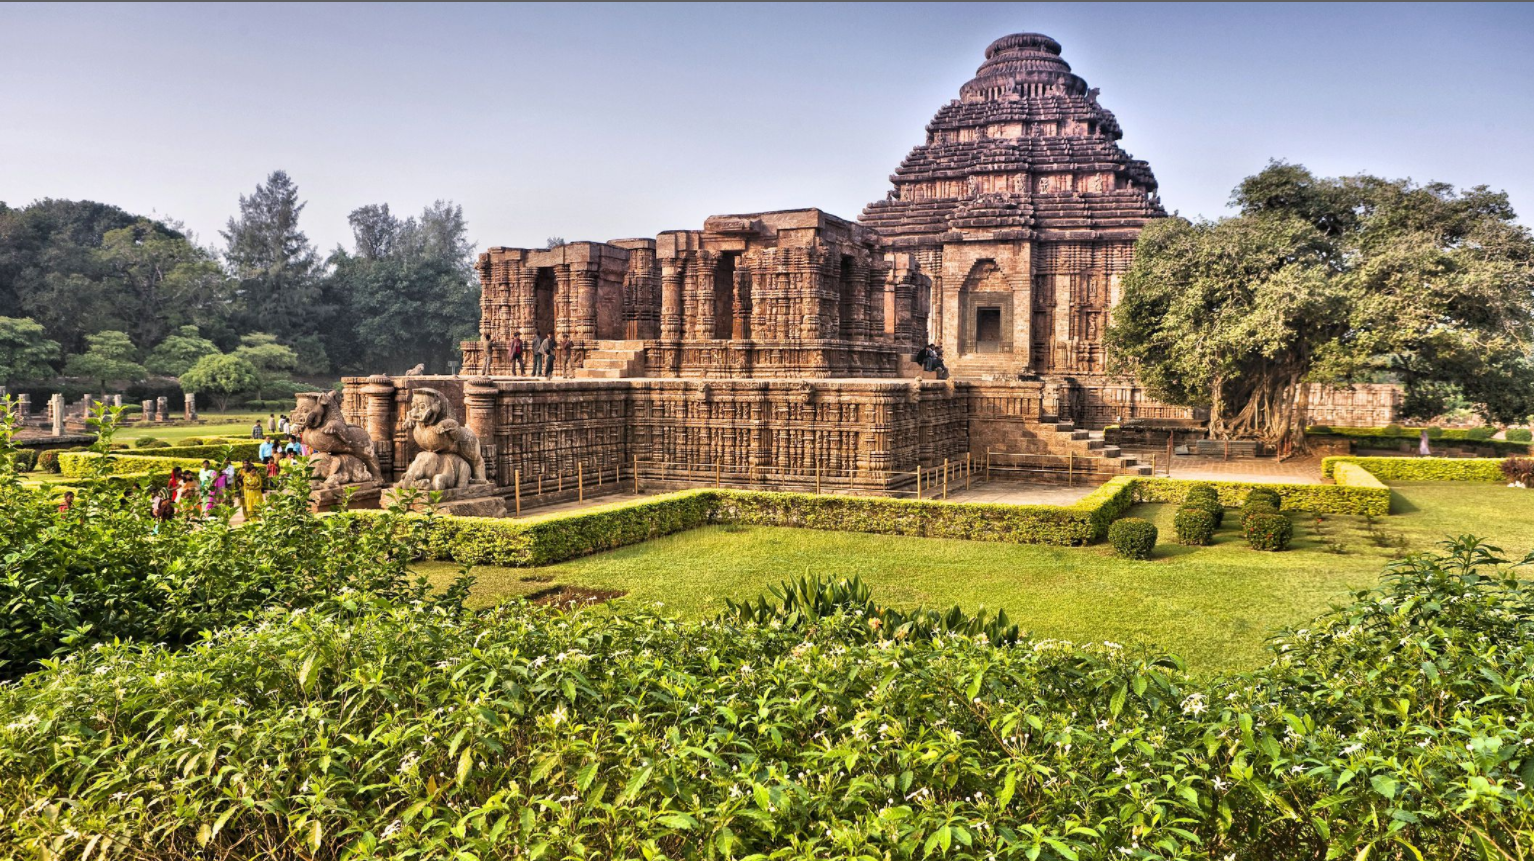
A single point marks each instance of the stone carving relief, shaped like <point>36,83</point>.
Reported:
<point>342,452</point>
<point>450,458</point>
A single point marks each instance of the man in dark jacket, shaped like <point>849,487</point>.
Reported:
<point>518,362</point>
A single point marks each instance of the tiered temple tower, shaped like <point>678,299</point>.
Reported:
<point>1023,210</point>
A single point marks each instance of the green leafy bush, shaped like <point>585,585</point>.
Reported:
<point>1391,429</point>
<point>106,571</point>
<point>1519,435</point>
<point>192,441</point>
<point>1480,433</point>
<point>1422,468</point>
<point>1264,494</point>
<point>1132,537</point>
<point>808,721</point>
<point>1195,526</point>
<point>1253,509</point>
<point>145,442</point>
<point>1208,503</point>
<point>48,460</point>
<point>26,459</point>
<point>1319,498</point>
<point>1267,531</point>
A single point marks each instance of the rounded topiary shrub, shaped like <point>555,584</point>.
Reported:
<point>1264,495</point>
<point>1480,433</point>
<point>48,461</point>
<point>1253,509</point>
<point>26,459</point>
<point>144,442</point>
<point>192,440</point>
<point>1213,506</point>
<point>1195,526</point>
<point>1519,435</point>
<point>159,443</point>
<point>1268,531</point>
<point>1132,538</point>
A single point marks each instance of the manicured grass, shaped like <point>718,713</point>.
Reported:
<point>233,424</point>
<point>1214,606</point>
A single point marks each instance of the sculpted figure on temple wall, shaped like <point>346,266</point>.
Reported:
<point>342,453</point>
<point>450,458</point>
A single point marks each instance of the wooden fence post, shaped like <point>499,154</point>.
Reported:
<point>1070,469</point>
<point>636,473</point>
<point>580,482</point>
<point>517,483</point>
<point>945,478</point>
<point>968,467</point>
<point>918,481</point>
<point>817,477</point>
<point>716,475</point>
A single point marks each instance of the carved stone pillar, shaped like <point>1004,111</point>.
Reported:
<point>740,329</point>
<point>56,413</point>
<point>525,304</point>
<point>191,406</point>
<point>479,402</point>
<point>584,326</point>
<point>162,409</point>
<point>148,407</point>
<point>703,297</point>
<point>378,406</point>
<point>564,307</point>
<point>671,300</point>
<point>24,408</point>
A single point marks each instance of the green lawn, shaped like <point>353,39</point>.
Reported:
<point>233,424</point>
<point>1212,605</point>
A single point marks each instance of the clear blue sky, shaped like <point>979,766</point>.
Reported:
<point>600,122</point>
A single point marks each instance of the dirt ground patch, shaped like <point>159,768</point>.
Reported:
<point>573,597</point>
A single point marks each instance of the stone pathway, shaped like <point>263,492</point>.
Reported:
<point>1021,493</point>
<point>1298,470</point>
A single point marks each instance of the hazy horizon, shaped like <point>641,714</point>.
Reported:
<point>599,122</point>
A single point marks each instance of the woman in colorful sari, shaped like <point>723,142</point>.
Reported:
<point>252,482</point>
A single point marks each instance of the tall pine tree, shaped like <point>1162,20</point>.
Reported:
<point>274,263</point>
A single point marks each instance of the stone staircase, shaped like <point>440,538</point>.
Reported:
<point>1090,445</point>
<point>613,360</point>
<point>1054,446</point>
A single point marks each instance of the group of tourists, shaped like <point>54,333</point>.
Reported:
<point>930,358</point>
<point>544,349</point>
<point>195,493</point>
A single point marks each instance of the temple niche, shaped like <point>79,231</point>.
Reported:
<point>1023,210</point>
<point>799,293</point>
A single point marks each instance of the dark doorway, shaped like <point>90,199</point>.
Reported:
<point>724,296</point>
<point>987,330</point>
<point>543,301</point>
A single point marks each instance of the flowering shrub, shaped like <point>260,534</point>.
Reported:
<point>1133,538</point>
<point>1267,531</point>
<point>1396,726</point>
<point>1195,526</point>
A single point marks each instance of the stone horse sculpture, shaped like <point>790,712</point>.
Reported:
<point>342,453</point>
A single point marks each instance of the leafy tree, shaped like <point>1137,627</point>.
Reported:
<point>159,278</point>
<point>178,352</point>
<point>26,353</point>
<point>409,289</point>
<point>274,262</point>
<point>222,377</point>
<point>272,360</point>
<point>110,356</point>
<point>553,242</point>
<point>1332,281</point>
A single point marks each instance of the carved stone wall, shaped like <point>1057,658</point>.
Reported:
<point>1370,405</point>
<point>799,293</point>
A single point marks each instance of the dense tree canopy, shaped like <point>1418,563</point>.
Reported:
<point>405,293</point>
<point>26,353</point>
<point>110,357</point>
<point>1332,281</point>
<point>222,377</point>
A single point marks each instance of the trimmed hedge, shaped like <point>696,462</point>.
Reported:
<point>1353,475</point>
<point>1195,526</point>
<point>1268,531</point>
<point>1421,468</point>
<point>557,537</point>
<point>1319,498</point>
<point>1396,434</point>
<point>1519,435</point>
<point>241,449</point>
<point>1132,537</point>
<point>76,464</point>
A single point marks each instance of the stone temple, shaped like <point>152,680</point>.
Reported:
<point>775,349</point>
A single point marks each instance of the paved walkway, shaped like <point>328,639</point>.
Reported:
<point>1296,470</point>
<point>1021,493</point>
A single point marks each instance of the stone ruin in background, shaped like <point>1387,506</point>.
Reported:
<point>775,349</point>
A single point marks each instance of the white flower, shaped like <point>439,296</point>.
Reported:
<point>393,829</point>
<point>1194,704</point>
<point>558,716</point>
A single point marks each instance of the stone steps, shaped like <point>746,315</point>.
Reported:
<point>613,360</point>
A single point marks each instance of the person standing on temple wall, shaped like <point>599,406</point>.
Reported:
<point>537,348</point>
<point>567,353</point>
<point>518,361</point>
<point>548,356</point>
